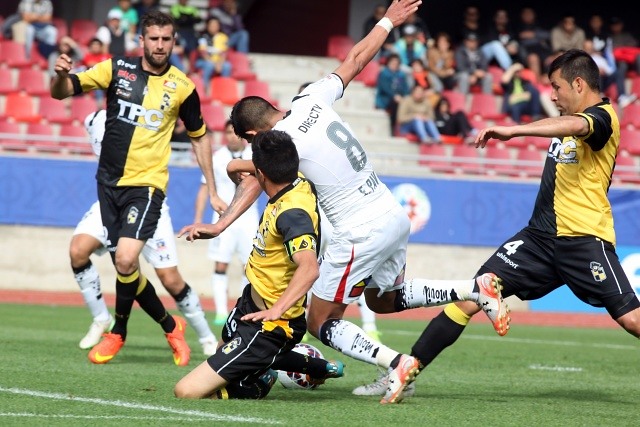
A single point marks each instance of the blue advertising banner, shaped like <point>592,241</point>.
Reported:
<point>458,212</point>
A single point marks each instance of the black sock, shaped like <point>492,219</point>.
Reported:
<point>126,288</point>
<point>301,363</point>
<point>183,293</point>
<point>151,304</point>
<point>82,268</point>
<point>439,334</point>
<point>242,390</point>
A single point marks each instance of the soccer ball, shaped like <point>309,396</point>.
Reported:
<point>295,380</point>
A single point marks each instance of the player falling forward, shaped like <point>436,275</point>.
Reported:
<point>160,251</point>
<point>367,251</point>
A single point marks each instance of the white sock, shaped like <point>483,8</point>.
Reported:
<point>220,284</point>
<point>367,315</point>
<point>89,282</point>
<point>352,341</point>
<point>190,307</point>
<point>428,293</point>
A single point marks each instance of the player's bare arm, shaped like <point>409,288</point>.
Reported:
<point>549,127</point>
<point>238,169</point>
<point>306,273</point>
<point>202,149</point>
<point>364,51</point>
<point>61,86</point>
<point>201,203</point>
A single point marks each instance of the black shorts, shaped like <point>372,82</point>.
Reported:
<point>532,264</point>
<point>250,350</point>
<point>129,212</point>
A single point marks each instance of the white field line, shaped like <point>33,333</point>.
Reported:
<point>535,341</point>
<point>96,417</point>
<point>122,404</point>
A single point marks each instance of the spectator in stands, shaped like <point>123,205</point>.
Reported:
<point>626,48</point>
<point>452,123</point>
<point>387,48</point>
<point>472,66</point>
<point>115,40</point>
<point>600,46</point>
<point>67,46</point>
<point>409,48</point>
<point>391,86</point>
<point>500,43</point>
<point>130,18</point>
<point>416,116</point>
<point>567,35</point>
<point>423,34</point>
<point>212,48</point>
<point>186,18</point>
<point>422,77</point>
<point>520,95</point>
<point>144,6</point>
<point>470,24</point>
<point>441,60</point>
<point>232,25</point>
<point>534,43</point>
<point>36,21</point>
<point>95,53</point>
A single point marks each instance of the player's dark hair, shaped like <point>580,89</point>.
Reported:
<point>577,63</point>
<point>275,154</point>
<point>156,17</point>
<point>251,113</point>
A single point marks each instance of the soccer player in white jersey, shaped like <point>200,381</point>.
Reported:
<point>367,251</point>
<point>238,238</point>
<point>89,237</point>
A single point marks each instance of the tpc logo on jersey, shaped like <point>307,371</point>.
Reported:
<point>132,216</point>
<point>563,151</point>
<point>416,204</point>
<point>598,271</point>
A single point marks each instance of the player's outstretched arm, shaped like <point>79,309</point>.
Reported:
<point>366,49</point>
<point>548,127</point>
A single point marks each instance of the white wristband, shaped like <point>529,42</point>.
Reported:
<point>386,24</point>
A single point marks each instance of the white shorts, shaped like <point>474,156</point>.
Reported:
<point>373,254</point>
<point>159,251</point>
<point>236,239</point>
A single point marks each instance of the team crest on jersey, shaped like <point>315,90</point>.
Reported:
<point>231,345</point>
<point>597,271</point>
<point>172,86</point>
<point>132,216</point>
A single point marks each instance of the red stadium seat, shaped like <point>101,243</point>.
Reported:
<point>498,161</point>
<point>485,106</point>
<point>202,92</point>
<point>259,88</point>
<point>61,26</point>
<point>225,90</point>
<point>626,169</point>
<point>34,81</point>
<point>338,46</point>
<point>81,107</point>
<point>20,107</point>
<point>214,116</point>
<point>630,140</point>
<point>41,137</point>
<point>7,83</point>
<point>75,140</point>
<point>457,100</point>
<point>537,142</point>
<point>13,54</point>
<point>631,116</point>
<point>240,66</point>
<point>467,159</point>
<point>435,157</point>
<point>83,30</point>
<point>369,74</point>
<point>530,163</point>
<point>11,140</point>
<point>54,110</point>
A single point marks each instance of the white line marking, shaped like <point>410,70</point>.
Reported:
<point>535,341</point>
<point>122,404</point>
<point>96,417</point>
<point>555,368</point>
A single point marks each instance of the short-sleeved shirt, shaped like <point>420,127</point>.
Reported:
<point>45,7</point>
<point>142,109</point>
<point>289,224</point>
<point>572,200</point>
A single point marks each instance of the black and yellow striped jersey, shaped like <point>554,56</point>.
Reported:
<point>572,200</point>
<point>289,223</point>
<point>142,109</point>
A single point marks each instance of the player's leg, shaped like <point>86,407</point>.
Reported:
<point>202,382</point>
<point>368,318</point>
<point>86,275</point>
<point>188,303</point>
<point>161,252</point>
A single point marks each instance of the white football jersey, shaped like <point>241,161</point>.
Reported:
<point>225,187</point>
<point>94,124</point>
<point>331,156</point>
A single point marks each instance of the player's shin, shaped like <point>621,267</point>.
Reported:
<point>88,279</point>
<point>189,305</point>
<point>351,340</point>
<point>427,293</point>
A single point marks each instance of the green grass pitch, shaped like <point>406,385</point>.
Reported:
<point>535,376</point>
